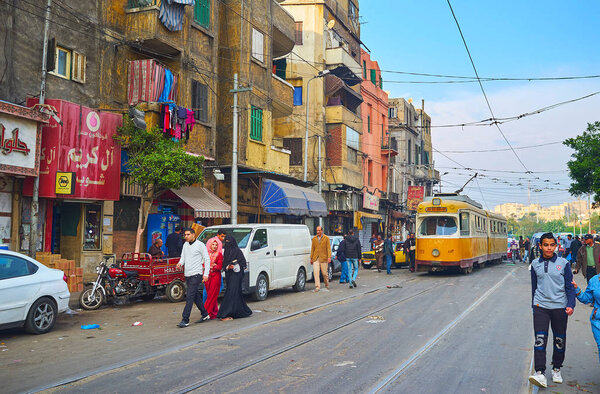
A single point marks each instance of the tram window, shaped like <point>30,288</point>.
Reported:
<point>438,225</point>
<point>464,223</point>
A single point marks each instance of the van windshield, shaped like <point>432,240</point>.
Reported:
<point>241,235</point>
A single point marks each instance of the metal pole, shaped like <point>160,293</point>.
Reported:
<point>589,215</point>
<point>36,182</point>
<point>306,132</point>
<point>234,154</point>
<point>319,186</point>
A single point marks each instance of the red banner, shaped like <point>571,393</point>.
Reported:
<point>84,145</point>
<point>415,197</point>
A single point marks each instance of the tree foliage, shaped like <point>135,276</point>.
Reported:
<point>584,167</point>
<point>157,163</point>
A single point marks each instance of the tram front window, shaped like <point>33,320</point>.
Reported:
<point>438,225</point>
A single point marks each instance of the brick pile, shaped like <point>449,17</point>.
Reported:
<point>74,274</point>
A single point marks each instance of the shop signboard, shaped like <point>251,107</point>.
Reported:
<point>83,144</point>
<point>20,139</point>
<point>65,183</point>
<point>370,201</point>
<point>415,197</point>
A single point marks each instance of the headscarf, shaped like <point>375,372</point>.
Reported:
<point>213,255</point>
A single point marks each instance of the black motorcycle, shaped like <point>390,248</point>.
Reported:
<point>114,283</point>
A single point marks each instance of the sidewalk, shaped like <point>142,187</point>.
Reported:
<point>581,370</point>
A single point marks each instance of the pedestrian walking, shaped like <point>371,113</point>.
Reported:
<point>514,250</point>
<point>378,249</point>
<point>175,243</point>
<point>213,284</point>
<point>194,260</point>
<point>591,295</point>
<point>568,244</point>
<point>575,245</point>
<point>588,258</point>
<point>521,248</point>
<point>410,245</point>
<point>352,252</point>
<point>320,257</point>
<point>527,246</point>
<point>233,305</point>
<point>372,240</point>
<point>388,252</point>
<point>340,255</point>
<point>553,300</point>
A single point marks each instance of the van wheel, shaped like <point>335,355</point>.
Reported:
<point>300,280</point>
<point>262,288</point>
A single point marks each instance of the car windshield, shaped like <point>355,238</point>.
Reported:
<point>438,225</point>
<point>241,235</point>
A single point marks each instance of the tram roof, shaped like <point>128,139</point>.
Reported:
<point>454,197</point>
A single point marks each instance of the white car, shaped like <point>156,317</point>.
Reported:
<point>31,294</point>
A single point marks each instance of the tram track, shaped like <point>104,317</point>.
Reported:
<point>137,360</point>
<point>295,345</point>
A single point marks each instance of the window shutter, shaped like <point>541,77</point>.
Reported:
<point>299,31</point>
<point>374,76</point>
<point>78,70</point>
<point>258,52</point>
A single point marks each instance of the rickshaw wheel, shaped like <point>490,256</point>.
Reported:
<point>175,291</point>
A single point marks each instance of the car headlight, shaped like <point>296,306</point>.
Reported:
<point>435,253</point>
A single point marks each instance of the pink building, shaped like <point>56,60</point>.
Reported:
<point>375,140</point>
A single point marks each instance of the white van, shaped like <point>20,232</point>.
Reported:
<point>278,255</point>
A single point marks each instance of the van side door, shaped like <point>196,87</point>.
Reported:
<point>261,256</point>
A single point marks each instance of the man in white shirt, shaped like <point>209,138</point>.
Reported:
<point>195,263</point>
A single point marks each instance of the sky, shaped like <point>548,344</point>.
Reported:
<point>506,39</point>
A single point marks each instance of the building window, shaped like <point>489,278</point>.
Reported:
<point>78,69</point>
<point>294,145</point>
<point>297,95</point>
<point>202,13</point>
<point>353,14</point>
<point>93,227</point>
<point>370,173</point>
<point>374,76</point>
<point>352,155</point>
<point>258,45</point>
<point>369,123</point>
<point>393,112</point>
<point>63,63</point>
<point>409,150</point>
<point>256,124</point>
<point>364,69</point>
<point>200,101</point>
<point>298,32</point>
<point>352,143</point>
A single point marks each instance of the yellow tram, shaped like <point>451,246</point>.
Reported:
<point>455,232</point>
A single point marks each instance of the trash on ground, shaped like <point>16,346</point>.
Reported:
<point>90,326</point>
<point>375,319</point>
<point>394,286</point>
<point>345,363</point>
<point>138,323</point>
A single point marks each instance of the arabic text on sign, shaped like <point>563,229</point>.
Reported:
<point>13,144</point>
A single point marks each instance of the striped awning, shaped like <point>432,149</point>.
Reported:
<point>204,203</point>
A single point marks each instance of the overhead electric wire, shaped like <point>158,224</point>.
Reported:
<point>482,89</point>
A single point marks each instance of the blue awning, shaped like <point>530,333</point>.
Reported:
<point>287,199</point>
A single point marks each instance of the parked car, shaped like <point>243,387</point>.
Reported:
<point>31,294</point>
<point>368,258</point>
<point>278,255</point>
<point>335,265</point>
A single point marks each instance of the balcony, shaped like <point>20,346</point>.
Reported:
<point>390,148</point>
<point>147,32</point>
<point>283,30</point>
<point>283,97</point>
<point>340,114</point>
<point>343,65</point>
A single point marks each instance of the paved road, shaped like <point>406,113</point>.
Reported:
<point>431,334</point>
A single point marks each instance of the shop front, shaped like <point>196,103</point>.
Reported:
<point>20,140</point>
<point>79,182</point>
<point>368,221</point>
<point>342,205</point>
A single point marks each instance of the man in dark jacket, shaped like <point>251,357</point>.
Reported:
<point>175,243</point>
<point>588,257</point>
<point>340,255</point>
<point>388,253</point>
<point>409,250</point>
<point>575,245</point>
<point>352,251</point>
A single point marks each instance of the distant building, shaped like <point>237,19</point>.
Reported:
<point>573,210</point>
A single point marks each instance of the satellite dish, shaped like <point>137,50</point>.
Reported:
<point>330,24</point>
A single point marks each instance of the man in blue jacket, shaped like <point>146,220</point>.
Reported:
<point>553,300</point>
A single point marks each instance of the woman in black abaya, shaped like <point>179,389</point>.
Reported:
<point>234,264</point>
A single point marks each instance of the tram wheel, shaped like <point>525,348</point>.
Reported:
<point>466,270</point>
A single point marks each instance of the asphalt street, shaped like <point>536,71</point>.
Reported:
<point>442,333</point>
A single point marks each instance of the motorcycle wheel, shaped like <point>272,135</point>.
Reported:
<point>89,301</point>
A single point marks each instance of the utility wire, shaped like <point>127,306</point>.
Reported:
<point>482,89</point>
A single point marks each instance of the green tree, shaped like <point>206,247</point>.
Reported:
<point>156,164</point>
<point>584,168</point>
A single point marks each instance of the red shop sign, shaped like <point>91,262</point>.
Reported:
<point>83,144</point>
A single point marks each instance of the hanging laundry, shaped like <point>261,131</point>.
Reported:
<point>168,82</point>
<point>189,123</point>
<point>171,13</point>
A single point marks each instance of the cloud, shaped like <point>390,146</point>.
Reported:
<point>555,125</point>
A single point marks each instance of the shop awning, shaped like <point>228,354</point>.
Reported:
<point>204,202</point>
<point>287,199</point>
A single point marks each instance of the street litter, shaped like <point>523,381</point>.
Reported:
<point>137,323</point>
<point>345,363</point>
<point>375,319</point>
<point>394,286</point>
<point>90,326</point>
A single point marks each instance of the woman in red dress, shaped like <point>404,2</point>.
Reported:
<point>213,285</point>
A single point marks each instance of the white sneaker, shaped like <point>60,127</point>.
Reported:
<point>556,376</point>
<point>539,379</point>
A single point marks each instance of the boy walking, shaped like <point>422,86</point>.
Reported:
<point>553,300</point>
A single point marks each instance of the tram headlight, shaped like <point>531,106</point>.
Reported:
<point>435,253</point>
